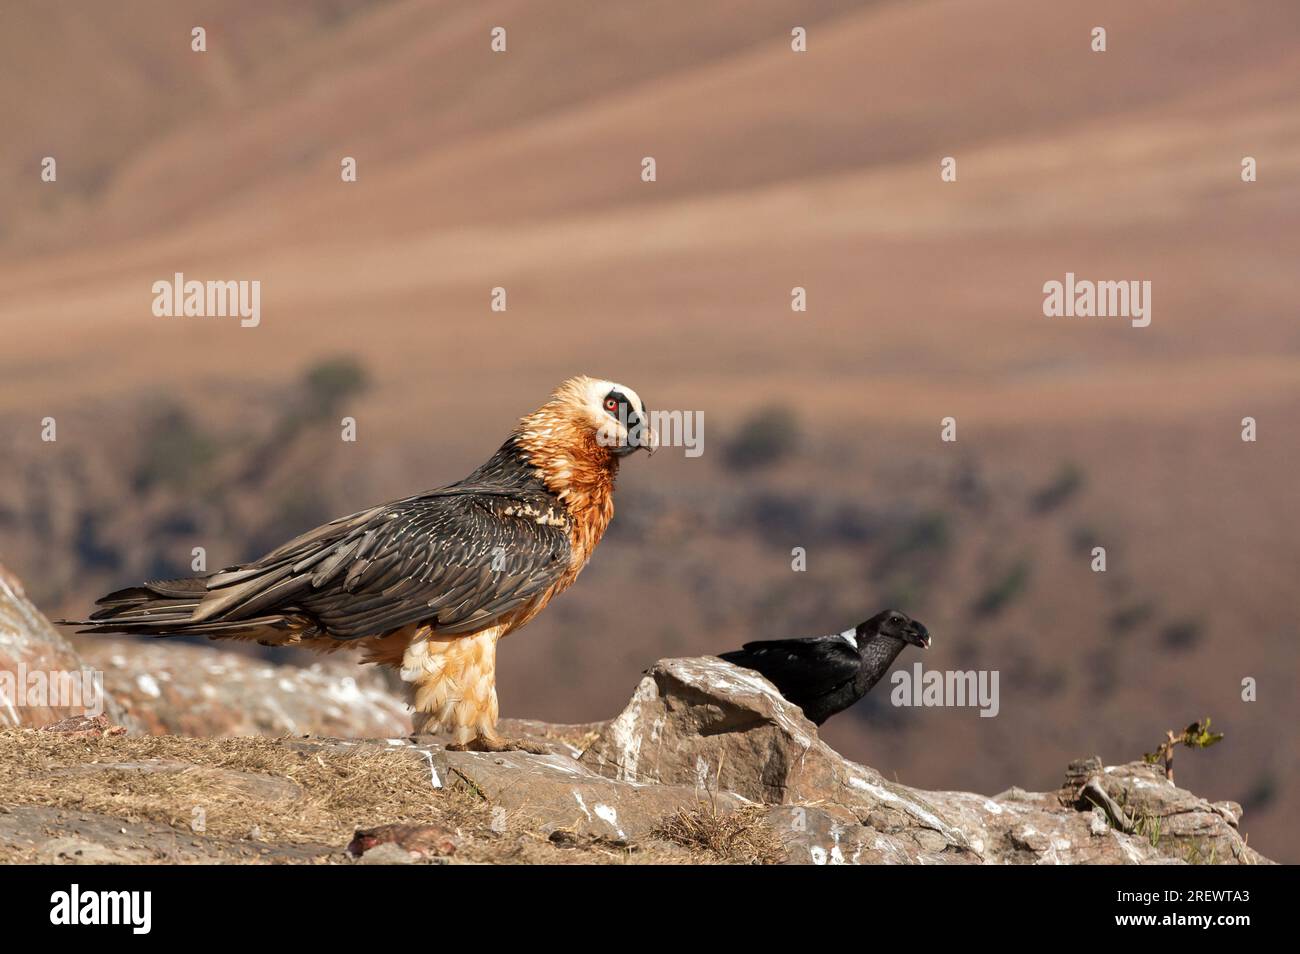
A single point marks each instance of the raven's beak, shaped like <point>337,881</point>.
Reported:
<point>918,635</point>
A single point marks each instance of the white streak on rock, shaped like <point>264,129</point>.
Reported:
<point>581,804</point>
<point>610,817</point>
<point>433,772</point>
<point>625,731</point>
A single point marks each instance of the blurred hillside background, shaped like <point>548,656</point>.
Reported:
<point>775,169</point>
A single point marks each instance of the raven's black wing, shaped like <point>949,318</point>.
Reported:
<point>460,558</point>
<point>801,668</point>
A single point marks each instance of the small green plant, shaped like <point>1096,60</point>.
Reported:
<point>1194,854</point>
<point>1149,827</point>
<point>1195,736</point>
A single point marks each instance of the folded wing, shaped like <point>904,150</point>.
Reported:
<point>801,668</point>
<point>460,558</point>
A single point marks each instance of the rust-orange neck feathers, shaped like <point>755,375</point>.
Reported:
<point>560,443</point>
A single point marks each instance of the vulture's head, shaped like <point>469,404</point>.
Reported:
<point>606,412</point>
<point>897,625</point>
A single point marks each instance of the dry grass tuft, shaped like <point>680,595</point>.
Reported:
<point>239,784</point>
<point>733,837</point>
<point>286,791</point>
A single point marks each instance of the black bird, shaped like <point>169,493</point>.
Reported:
<point>824,675</point>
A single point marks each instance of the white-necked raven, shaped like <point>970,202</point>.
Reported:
<point>824,675</point>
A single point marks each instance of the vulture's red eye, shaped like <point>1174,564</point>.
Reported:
<point>611,404</point>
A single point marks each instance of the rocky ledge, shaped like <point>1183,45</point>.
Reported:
<point>706,763</point>
<point>203,755</point>
<point>701,731</point>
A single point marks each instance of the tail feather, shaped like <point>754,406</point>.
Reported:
<point>170,608</point>
<point>256,600</point>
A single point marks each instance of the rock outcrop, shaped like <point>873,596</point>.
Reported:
<point>709,725</point>
<point>699,737</point>
<point>164,687</point>
<point>179,689</point>
<point>42,678</point>
<point>705,758</point>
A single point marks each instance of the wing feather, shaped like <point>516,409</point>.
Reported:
<point>800,668</point>
<point>459,559</point>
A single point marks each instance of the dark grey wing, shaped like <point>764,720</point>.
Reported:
<point>800,668</point>
<point>460,558</point>
<point>460,561</point>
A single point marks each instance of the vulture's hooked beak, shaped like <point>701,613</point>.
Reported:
<point>651,441</point>
<point>641,436</point>
<point>918,635</point>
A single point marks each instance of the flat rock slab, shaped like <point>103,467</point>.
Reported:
<point>555,792</point>
<point>557,739</point>
<point>58,836</point>
<point>178,689</point>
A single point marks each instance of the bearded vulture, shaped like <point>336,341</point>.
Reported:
<point>427,584</point>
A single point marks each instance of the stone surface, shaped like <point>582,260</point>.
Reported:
<point>698,735</point>
<point>45,835</point>
<point>704,723</point>
<point>179,689</point>
<point>40,671</point>
<point>555,738</point>
<point>558,793</point>
<point>387,854</point>
<point>86,727</point>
